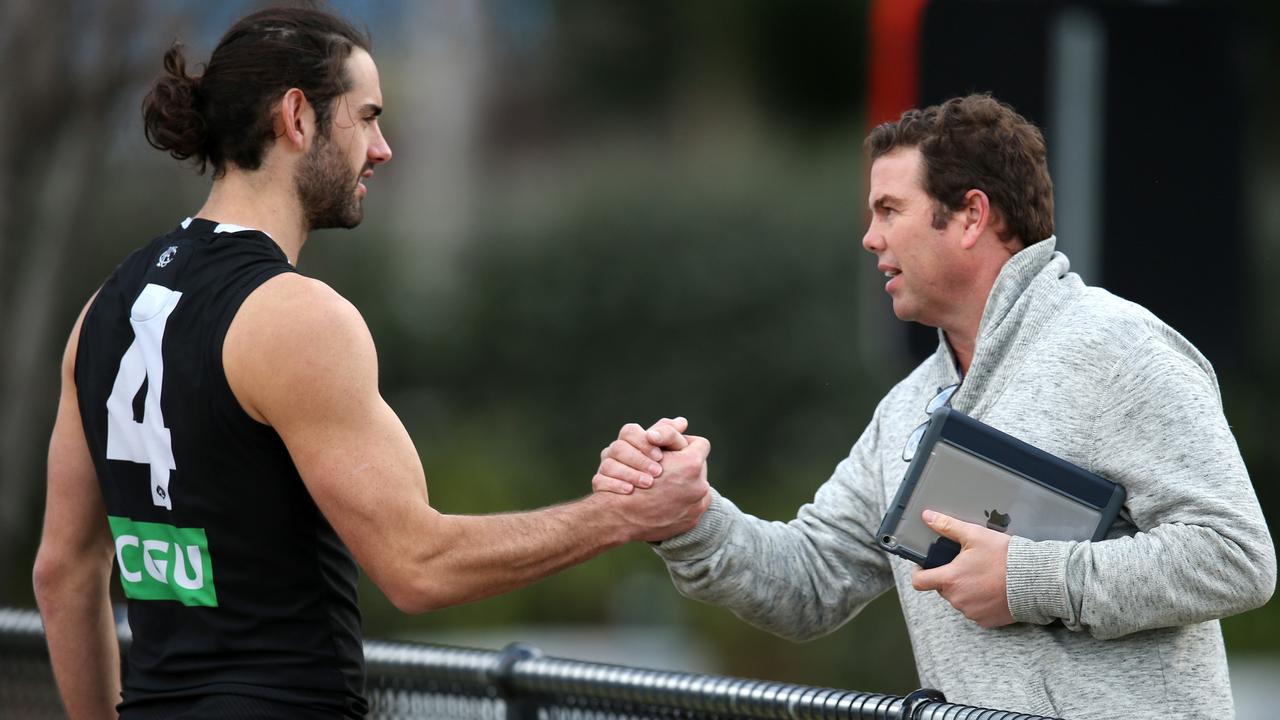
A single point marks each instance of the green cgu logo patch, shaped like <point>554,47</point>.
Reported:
<point>163,562</point>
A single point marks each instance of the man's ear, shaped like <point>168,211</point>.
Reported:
<point>977,216</point>
<point>294,120</point>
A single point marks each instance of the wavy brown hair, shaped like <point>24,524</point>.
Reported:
<point>977,142</point>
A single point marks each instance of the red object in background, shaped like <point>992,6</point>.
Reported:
<point>895,58</point>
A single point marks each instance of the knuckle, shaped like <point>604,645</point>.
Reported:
<point>630,429</point>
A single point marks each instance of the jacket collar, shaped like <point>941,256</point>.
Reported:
<point>1031,289</point>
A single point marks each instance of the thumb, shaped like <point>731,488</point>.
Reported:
<point>948,527</point>
<point>667,434</point>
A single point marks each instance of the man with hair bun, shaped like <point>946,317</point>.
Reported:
<point>962,227</point>
<point>221,437</point>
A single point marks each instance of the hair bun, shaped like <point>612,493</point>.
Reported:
<point>171,118</point>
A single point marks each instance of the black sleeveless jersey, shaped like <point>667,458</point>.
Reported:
<point>237,585</point>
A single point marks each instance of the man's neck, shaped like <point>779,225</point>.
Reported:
<point>962,347</point>
<point>261,201</point>
<point>961,330</point>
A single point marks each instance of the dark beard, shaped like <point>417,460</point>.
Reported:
<point>325,188</point>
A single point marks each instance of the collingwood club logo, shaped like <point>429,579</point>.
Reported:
<point>167,256</point>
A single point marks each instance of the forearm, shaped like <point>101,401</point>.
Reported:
<point>471,557</point>
<point>455,559</point>
<point>83,647</point>
<point>1174,574</point>
<point>798,580</point>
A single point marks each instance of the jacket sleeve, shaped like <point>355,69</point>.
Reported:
<point>1201,549</point>
<point>800,579</point>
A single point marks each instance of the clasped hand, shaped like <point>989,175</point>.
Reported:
<point>668,468</point>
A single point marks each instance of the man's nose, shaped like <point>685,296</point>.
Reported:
<point>379,150</point>
<point>871,240</point>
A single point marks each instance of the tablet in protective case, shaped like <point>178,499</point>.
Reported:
<point>973,472</point>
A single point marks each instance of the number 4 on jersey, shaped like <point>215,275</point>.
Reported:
<point>145,442</point>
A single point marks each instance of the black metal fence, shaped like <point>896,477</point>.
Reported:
<point>416,681</point>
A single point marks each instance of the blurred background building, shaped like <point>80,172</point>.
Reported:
<point>604,211</point>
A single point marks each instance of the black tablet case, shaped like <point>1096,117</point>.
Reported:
<point>988,449</point>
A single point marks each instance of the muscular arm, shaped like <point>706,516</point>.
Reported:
<point>1202,549</point>
<point>301,359</point>
<point>73,565</point>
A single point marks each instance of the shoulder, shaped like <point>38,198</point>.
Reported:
<point>295,340</point>
<point>291,307</point>
<point>70,352</point>
<point>1131,345</point>
<point>1115,330</point>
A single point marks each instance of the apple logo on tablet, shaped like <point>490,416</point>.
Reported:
<point>996,520</point>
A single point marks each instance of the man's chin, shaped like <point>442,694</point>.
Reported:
<point>348,221</point>
<point>913,315</point>
<point>352,217</point>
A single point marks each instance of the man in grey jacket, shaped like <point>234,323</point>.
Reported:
<point>962,227</point>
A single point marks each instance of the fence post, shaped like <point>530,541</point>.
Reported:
<point>519,707</point>
<point>917,699</point>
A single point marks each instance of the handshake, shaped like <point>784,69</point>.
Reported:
<point>655,479</point>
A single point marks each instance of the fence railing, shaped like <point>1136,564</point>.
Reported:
<point>414,681</point>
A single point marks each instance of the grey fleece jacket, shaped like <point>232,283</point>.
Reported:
<point>1123,628</point>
